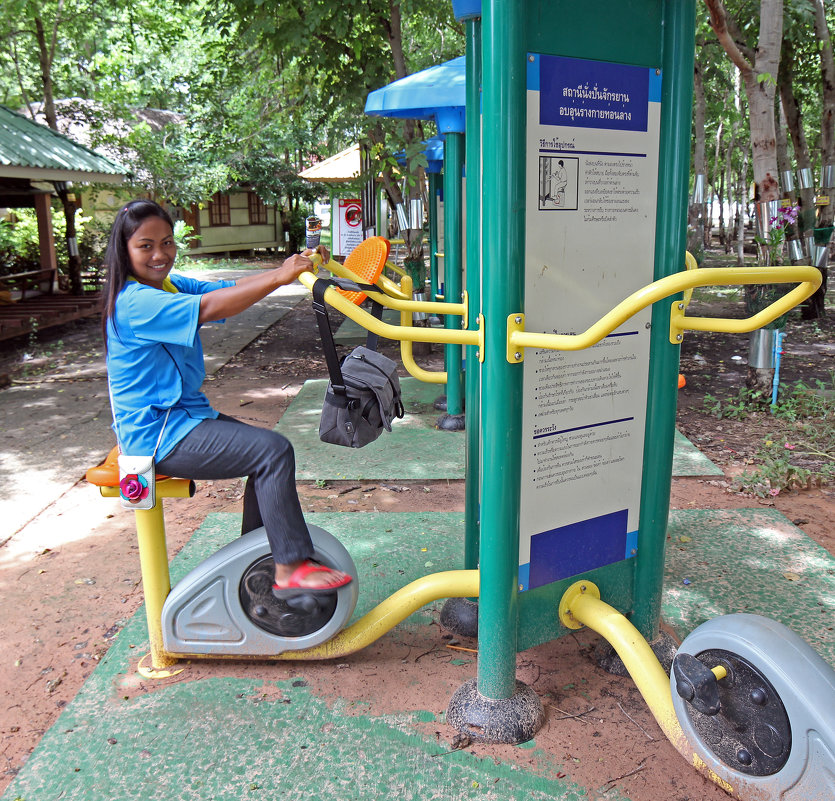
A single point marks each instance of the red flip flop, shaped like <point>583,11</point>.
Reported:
<point>307,567</point>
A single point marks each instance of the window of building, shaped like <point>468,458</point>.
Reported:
<point>257,210</point>
<point>219,210</point>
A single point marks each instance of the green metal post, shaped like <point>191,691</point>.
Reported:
<point>670,244</point>
<point>453,263</point>
<point>433,235</point>
<point>472,377</point>
<point>503,210</point>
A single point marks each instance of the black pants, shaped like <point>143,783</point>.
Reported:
<point>228,448</point>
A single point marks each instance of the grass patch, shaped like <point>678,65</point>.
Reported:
<point>799,451</point>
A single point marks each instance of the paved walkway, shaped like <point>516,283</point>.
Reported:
<point>53,431</point>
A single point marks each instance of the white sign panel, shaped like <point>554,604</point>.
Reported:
<point>348,228</point>
<point>591,186</point>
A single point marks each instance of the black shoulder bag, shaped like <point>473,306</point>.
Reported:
<point>363,396</point>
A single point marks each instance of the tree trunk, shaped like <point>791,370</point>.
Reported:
<point>827,213</point>
<point>717,189</point>
<point>696,216</point>
<point>813,308</point>
<point>46,57</point>
<point>758,68</point>
<point>828,80</point>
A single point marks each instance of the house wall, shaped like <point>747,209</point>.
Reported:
<point>238,235</point>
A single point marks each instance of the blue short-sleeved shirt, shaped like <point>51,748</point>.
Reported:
<point>155,363</point>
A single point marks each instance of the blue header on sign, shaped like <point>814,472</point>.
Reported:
<point>593,94</point>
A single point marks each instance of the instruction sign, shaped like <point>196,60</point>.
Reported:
<point>348,227</point>
<point>591,187</point>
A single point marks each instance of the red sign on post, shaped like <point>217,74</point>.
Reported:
<point>348,228</point>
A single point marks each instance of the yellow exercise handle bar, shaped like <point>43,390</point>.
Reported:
<point>386,285</point>
<point>809,279</point>
<point>396,332</point>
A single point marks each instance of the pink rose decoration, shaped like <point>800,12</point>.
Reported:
<point>133,488</point>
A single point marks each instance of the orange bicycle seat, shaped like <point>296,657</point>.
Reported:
<point>366,262</point>
<point>106,474</point>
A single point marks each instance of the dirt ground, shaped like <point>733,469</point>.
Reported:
<point>74,584</point>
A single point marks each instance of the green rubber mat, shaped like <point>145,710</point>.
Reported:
<point>749,560</point>
<point>689,461</point>
<point>414,449</point>
<point>268,735</point>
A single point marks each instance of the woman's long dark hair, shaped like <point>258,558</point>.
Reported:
<point>117,259</point>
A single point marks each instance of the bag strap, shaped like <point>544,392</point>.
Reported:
<point>372,338</point>
<point>162,431</point>
<point>326,333</point>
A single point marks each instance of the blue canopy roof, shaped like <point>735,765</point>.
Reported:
<point>434,152</point>
<point>437,93</point>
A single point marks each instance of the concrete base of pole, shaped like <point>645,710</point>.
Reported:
<point>460,616</point>
<point>451,422</point>
<point>511,720</point>
<point>441,405</point>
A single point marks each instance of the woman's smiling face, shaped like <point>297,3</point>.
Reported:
<point>152,251</point>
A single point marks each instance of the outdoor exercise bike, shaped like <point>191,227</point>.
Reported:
<point>748,702</point>
<point>224,607</point>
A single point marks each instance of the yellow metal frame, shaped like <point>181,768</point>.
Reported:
<point>809,279</point>
<point>394,609</point>
<point>581,606</point>
<point>156,584</point>
<point>395,269</point>
<point>400,299</point>
<point>397,332</point>
<point>153,564</point>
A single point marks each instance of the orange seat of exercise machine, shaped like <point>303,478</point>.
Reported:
<point>106,474</point>
<point>366,262</point>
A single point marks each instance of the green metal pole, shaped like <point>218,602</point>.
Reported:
<point>453,263</point>
<point>433,235</point>
<point>503,220</point>
<point>670,244</point>
<point>472,377</point>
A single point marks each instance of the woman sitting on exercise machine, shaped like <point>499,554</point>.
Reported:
<point>155,368</point>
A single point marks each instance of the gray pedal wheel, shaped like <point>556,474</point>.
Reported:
<point>225,606</point>
<point>768,727</point>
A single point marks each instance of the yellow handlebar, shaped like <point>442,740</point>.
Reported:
<point>386,285</point>
<point>396,332</point>
<point>808,277</point>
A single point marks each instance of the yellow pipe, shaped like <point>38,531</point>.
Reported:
<point>394,296</point>
<point>690,263</point>
<point>396,332</point>
<point>679,322</point>
<point>166,488</point>
<point>809,277</point>
<point>156,582</point>
<point>389,288</point>
<point>406,355</point>
<point>396,608</point>
<point>153,566</point>
<point>425,306</point>
<point>581,606</point>
<point>392,266</point>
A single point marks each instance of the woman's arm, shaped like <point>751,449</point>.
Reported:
<point>232,300</point>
